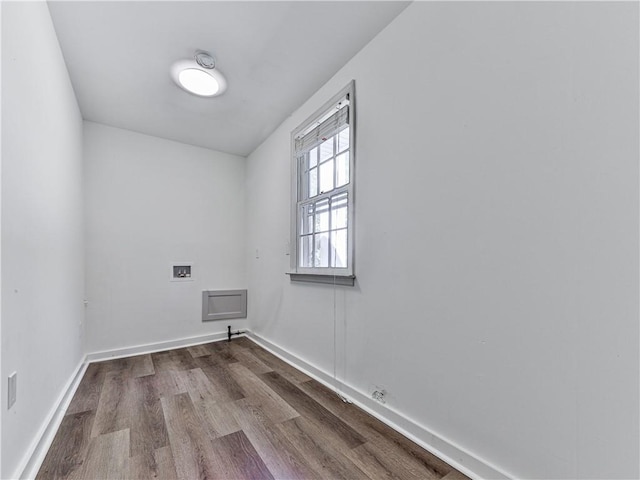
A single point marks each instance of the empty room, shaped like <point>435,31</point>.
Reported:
<point>319,240</point>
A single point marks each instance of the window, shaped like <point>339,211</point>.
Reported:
<point>322,218</point>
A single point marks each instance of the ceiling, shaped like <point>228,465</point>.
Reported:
<point>274,55</point>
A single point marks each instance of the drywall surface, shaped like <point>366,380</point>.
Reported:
<point>0,233</point>
<point>496,234</point>
<point>151,202</point>
<point>42,235</point>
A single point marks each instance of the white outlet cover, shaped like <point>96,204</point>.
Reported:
<point>12,390</point>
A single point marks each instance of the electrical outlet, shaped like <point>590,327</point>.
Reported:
<point>13,389</point>
<point>379,395</point>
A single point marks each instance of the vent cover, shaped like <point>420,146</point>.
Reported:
<point>223,304</point>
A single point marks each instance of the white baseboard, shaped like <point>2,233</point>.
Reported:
<point>468,463</point>
<point>155,347</point>
<point>34,457</point>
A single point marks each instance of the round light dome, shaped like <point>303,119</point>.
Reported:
<point>191,77</point>
<point>198,82</point>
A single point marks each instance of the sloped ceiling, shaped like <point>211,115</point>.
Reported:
<point>274,55</point>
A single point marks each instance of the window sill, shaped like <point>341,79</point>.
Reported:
<point>344,280</point>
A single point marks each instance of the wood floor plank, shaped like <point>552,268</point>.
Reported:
<point>236,458</point>
<point>217,417</point>
<point>148,431</point>
<point>222,351</point>
<point>322,455</point>
<point>283,368</point>
<point>190,445</point>
<point>199,351</point>
<point>242,342</point>
<point>141,366</point>
<point>278,454</point>
<point>134,366</point>
<point>68,449</point>
<point>176,360</point>
<point>211,360</point>
<point>169,383</point>
<point>113,412</point>
<point>260,395</point>
<point>455,475</point>
<point>249,360</point>
<point>224,383</point>
<point>201,388</point>
<point>380,462</point>
<point>87,395</point>
<point>123,364</point>
<point>210,403</point>
<point>108,457</point>
<point>335,428</point>
<point>157,465</point>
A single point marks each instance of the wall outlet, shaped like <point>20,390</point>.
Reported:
<point>12,390</point>
<point>379,395</point>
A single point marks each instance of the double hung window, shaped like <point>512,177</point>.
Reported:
<point>323,155</point>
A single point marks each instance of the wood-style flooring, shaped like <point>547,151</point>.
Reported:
<point>224,410</point>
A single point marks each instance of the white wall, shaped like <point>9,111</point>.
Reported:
<point>150,202</point>
<point>42,236</point>
<point>497,234</point>
<point>0,234</point>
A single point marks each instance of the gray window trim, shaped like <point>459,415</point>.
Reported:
<point>333,276</point>
<point>343,280</point>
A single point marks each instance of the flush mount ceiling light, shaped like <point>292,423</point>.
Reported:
<point>199,75</point>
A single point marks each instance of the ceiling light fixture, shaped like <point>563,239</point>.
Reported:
<point>199,75</point>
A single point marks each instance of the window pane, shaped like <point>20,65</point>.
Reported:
<point>326,176</point>
<point>313,157</point>
<point>322,216</point>
<point>342,169</point>
<point>326,149</point>
<point>306,257</point>
<point>306,219</point>
<point>339,211</point>
<point>339,248</point>
<point>321,254</point>
<point>313,182</point>
<point>343,140</point>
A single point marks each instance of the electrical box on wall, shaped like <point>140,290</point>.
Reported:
<point>181,272</point>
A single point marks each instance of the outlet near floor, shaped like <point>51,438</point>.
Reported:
<point>379,395</point>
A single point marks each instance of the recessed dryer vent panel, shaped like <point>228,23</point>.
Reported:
<point>222,304</point>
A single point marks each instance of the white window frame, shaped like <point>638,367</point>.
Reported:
<point>342,276</point>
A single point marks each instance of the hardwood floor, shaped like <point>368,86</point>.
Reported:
<point>223,411</point>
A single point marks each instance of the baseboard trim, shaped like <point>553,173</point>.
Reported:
<point>34,457</point>
<point>456,456</point>
<point>155,347</point>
